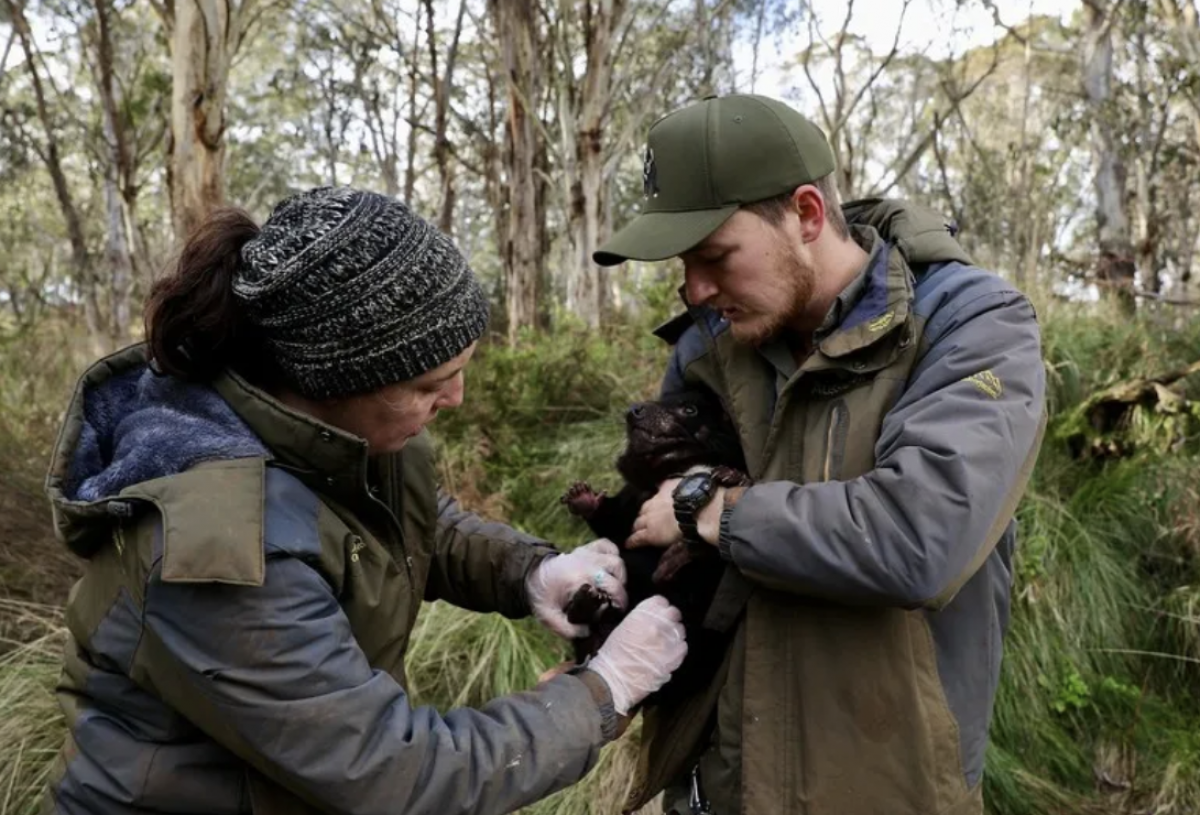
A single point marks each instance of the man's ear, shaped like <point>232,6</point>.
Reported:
<point>809,206</point>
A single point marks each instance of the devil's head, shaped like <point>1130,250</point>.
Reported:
<point>665,437</point>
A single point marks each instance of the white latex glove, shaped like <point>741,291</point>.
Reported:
<point>552,583</point>
<point>640,655</point>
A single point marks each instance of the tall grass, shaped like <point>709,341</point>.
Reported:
<point>31,723</point>
<point>37,369</point>
<point>1097,710</point>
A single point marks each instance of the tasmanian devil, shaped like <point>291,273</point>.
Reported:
<point>664,439</point>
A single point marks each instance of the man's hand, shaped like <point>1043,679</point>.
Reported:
<point>552,584</point>
<point>655,524</point>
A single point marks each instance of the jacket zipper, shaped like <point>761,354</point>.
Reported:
<point>835,440</point>
<point>395,486</point>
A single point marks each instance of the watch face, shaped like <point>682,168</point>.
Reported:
<point>692,487</point>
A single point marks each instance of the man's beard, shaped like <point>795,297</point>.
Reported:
<point>795,283</point>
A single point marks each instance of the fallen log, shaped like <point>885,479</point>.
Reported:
<point>1098,426</point>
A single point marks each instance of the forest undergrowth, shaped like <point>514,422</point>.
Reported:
<point>1097,710</point>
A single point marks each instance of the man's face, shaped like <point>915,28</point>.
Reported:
<point>754,273</point>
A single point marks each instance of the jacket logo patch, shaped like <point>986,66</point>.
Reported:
<point>356,546</point>
<point>836,386</point>
<point>881,322</point>
<point>987,383</point>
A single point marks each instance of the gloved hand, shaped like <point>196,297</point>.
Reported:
<point>552,583</point>
<point>641,653</point>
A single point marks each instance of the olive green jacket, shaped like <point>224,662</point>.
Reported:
<point>237,642</point>
<point>875,547</point>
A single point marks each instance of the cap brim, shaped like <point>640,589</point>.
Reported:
<point>661,235</point>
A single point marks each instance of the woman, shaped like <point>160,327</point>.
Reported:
<point>256,498</point>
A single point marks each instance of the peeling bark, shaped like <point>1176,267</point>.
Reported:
<point>523,244</point>
<point>206,34</point>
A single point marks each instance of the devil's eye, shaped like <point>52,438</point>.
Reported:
<point>689,410</point>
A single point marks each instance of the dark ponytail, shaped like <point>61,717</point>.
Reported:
<point>194,325</point>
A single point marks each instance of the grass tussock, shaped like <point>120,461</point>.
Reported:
<point>31,723</point>
<point>1097,710</point>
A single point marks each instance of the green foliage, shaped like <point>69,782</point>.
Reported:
<point>1096,666</point>
<point>542,414</point>
<point>1096,711</point>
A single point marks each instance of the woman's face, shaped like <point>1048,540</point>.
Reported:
<point>389,417</point>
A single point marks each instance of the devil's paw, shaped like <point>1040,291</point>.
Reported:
<point>582,501</point>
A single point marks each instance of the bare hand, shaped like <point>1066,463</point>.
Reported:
<point>655,524</point>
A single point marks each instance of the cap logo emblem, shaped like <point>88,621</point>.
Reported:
<point>649,174</point>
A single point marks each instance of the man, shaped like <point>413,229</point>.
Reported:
<point>889,398</point>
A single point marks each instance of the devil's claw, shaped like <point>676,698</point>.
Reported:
<point>729,477</point>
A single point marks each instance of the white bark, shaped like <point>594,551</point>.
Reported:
<point>584,129</point>
<point>523,241</point>
<point>205,36</point>
<point>1116,264</point>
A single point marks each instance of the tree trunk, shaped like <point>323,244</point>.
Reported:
<point>492,160</point>
<point>1146,219</point>
<point>384,138</point>
<point>120,259</point>
<point>442,84</point>
<point>1184,27</point>
<point>1115,263</point>
<point>202,47</point>
<point>410,168</point>
<point>523,244</point>
<point>589,200</point>
<point>51,156</point>
<point>119,188</point>
<point>1027,251</point>
<point>704,36</point>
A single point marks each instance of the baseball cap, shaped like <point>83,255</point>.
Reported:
<point>703,161</point>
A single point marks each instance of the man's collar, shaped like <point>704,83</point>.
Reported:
<point>870,242</point>
<point>881,307</point>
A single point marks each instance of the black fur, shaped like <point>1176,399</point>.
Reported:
<point>663,439</point>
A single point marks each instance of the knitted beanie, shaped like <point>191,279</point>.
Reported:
<point>352,291</point>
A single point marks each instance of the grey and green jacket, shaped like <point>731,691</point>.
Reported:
<point>876,544</point>
<point>237,641</point>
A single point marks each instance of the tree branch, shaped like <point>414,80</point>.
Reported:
<point>165,10</point>
<point>839,68</point>
<point>806,64</point>
<point>955,101</point>
<point>12,37</point>
<point>1012,31</point>
<point>849,109</point>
